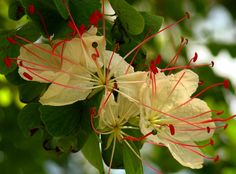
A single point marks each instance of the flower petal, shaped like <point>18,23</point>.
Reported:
<point>130,84</point>
<point>118,65</point>
<point>38,62</point>
<point>189,80</point>
<point>185,156</point>
<point>80,51</point>
<point>66,89</point>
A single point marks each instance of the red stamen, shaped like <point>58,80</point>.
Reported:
<point>212,142</point>
<point>158,59</point>
<point>153,67</point>
<point>11,40</point>
<point>7,62</point>
<point>226,126</point>
<point>31,9</point>
<point>26,75</point>
<point>201,82</point>
<point>219,112</point>
<point>217,158</point>
<point>82,29</point>
<point>226,84</point>
<point>131,138</point>
<point>95,17</point>
<point>172,129</point>
<point>195,57</point>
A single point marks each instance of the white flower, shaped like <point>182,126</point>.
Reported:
<point>175,119</point>
<point>76,67</point>
<point>66,65</point>
<point>115,115</point>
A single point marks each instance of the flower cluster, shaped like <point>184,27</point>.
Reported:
<point>158,103</point>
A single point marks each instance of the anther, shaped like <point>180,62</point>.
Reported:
<point>208,129</point>
<point>187,15</point>
<point>172,129</point>
<point>154,132</point>
<point>226,126</point>
<point>7,62</point>
<point>219,112</point>
<point>31,9</point>
<point>217,158</point>
<point>94,44</point>
<point>201,82</point>
<point>11,40</point>
<point>226,84</point>
<point>212,142</point>
<point>212,63</point>
<point>195,57</point>
<point>158,59</point>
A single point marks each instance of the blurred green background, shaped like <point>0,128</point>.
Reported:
<point>211,32</point>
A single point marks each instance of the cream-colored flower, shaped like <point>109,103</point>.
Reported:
<point>115,115</point>
<point>67,65</point>
<point>176,119</point>
<point>76,67</point>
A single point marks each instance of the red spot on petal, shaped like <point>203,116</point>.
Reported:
<point>11,40</point>
<point>172,129</point>
<point>7,62</point>
<point>95,17</point>
<point>31,9</point>
<point>26,75</point>
<point>226,84</point>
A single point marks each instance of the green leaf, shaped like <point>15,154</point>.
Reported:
<point>131,20</point>
<point>29,119</point>
<point>61,8</point>
<point>117,161</point>
<point>152,23</point>
<point>92,153</point>
<point>16,11</point>
<point>28,31</point>
<point>216,47</point>
<point>81,10</point>
<point>61,120</point>
<point>132,163</point>
<point>32,91</point>
<point>45,16</point>
<point>14,78</point>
